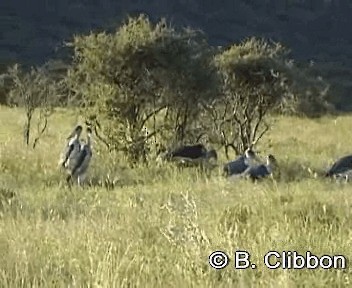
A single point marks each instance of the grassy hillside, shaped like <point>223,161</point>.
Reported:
<point>314,30</point>
<point>158,226</point>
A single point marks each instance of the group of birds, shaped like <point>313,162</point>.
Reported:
<point>247,165</point>
<point>77,155</point>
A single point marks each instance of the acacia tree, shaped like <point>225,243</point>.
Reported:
<point>254,82</point>
<point>309,92</point>
<point>194,84</point>
<point>111,74</point>
<point>127,78</point>
<point>34,92</point>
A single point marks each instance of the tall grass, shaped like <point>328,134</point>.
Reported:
<point>157,226</point>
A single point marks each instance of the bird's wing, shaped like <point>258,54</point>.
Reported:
<point>85,163</point>
<point>341,164</point>
<point>262,171</point>
<point>71,150</point>
<point>236,166</point>
<point>192,152</point>
<point>257,171</point>
<point>66,153</point>
<point>81,159</point>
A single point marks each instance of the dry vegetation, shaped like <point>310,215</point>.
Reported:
<point>158,225</point>
<point>143,223</point>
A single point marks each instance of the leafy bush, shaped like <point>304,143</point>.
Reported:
<point>254,82</point>
<point>148,86</point>
<point>126,80</point>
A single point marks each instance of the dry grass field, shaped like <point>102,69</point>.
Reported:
<point>158,225</point>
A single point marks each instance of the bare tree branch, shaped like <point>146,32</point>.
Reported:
<point>261,134</point>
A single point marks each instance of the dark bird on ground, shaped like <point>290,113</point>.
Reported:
<point>240,164</point>
<point>261,171</point>
<point>82,162</point>
<point>195,151</point>
<point>341,165</point>
<point>187,151</point>
<point>191,154</point>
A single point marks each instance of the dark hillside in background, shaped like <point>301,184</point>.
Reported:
<point>32,32</point>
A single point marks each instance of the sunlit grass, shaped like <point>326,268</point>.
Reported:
<point>158,225</point>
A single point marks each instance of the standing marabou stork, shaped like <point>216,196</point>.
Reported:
<point>82,161</point>
<point>72,148</point>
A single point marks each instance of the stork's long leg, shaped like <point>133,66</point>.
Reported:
<point>80,179</point>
